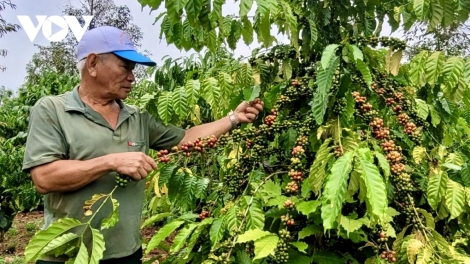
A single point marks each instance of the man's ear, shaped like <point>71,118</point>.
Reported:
<point>91,64</point>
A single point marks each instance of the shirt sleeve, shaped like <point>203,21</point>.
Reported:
<point>45,142</point>
<point>163,136</point>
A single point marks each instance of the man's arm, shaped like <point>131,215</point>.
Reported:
<point>244,113</point>
<point>70,175</point>
<point>216,128</point>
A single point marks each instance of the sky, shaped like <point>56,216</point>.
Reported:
<point>21,49</point>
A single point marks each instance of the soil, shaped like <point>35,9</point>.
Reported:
<point>25,225</point>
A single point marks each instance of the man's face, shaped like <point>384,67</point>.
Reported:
<point>116,76</point>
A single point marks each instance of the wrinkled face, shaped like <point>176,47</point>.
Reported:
<point>114,76</point>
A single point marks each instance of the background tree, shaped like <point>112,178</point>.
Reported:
<point>6,27</point>
<point>60,56</point>
<point>453,40</point>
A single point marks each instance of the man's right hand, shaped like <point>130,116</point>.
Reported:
<point>134,164</point>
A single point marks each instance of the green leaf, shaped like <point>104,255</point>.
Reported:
<point>192,88</point>
<point>217,231</point>
<point>242,257</point>
<point>313,29</point>
<point>180,239</point>
<point>192,10</point>
<point>287,70</point>
<point>436,15</point>
<point>376,191</point>
<point>164,106</point>
<point>448,15</point>
<point>251,94</point>
<point>417,69</point>
<point>301,246</point>
<point>419,153</point>
<point>335,189</point>
<point>266,6</point>
<point>309,230</point>
<point>252,235</point>
<point>383,163</point>
<point>327,257</point>
<point>423,109</point>
<point>245,7</point>
<point>196,234</point>
<point>265,246</point>
<point>58,245</point>
<point>350,225</point>
<point>362,67</point>
<point>255,215</point>
<point>429,220</point>
<point>210,37</point>
<point>324,82</point>
<point>393,61</point>
<point>98,246</point>
<point>434,66</point>
<point>399,240</point>
<point>161,234</point>
<point>317,172</point>
<point>455,199</point>
<point>328,54</point>
<point>43,237</point>
<point>308,207</point>
<point>271,189</point>
<point>179,102</point>
<point>436,187</point>
<point>232,223</point>
<point>289,139</point>
<point>82,255</point>
<point>154,218</point>
<point>356,52</point>
<point>435,117</point>
<point>452,71</point>
<point>247,31</point>
<point>113,218</point>
<point>420,7</point>
<point>211,92</point>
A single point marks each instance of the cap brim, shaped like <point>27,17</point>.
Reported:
<point>134,56</point>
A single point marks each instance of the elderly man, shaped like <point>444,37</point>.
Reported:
<point>79,140</point>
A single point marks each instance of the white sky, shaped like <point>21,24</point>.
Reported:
<point>21,49</point>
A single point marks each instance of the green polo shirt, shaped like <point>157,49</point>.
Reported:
<point>63,127</point>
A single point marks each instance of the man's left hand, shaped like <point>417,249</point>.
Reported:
<point>248,112</point>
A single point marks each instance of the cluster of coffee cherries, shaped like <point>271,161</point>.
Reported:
<point>203,215</point>
<point>297,89</point>
<point>339,106</point>
<point>399,105</point>
<point>401,179</point>
<point>122,180</point>
<point>389,255</point>
<point>163,156</point>
<point>296,174</point>
<point>199,145</point>
<point>281,255</point>
<point>269,120</point>
<point>336,81</point>
<point>384,41</point>
<point>289,204</point>
<point>287,219</point>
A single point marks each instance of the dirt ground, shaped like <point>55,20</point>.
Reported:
<point>26,225</point>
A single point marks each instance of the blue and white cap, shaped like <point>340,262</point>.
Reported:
<point>107,39</point>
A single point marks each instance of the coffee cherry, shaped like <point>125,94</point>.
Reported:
<point>122,180</point>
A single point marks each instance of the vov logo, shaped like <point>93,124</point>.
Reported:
<point>64,22</point>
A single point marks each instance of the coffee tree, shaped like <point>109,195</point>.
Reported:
<point>356,159</point>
